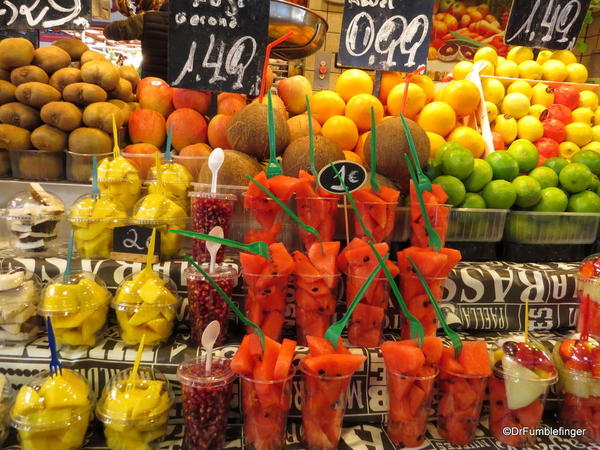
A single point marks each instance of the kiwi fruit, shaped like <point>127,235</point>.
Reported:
<point>14,138</point>
<point>7,92</point>
<point>64,77</point>
<point>15,52</point>
<point>130,74</point>
<point>123,90</point>
<point>101,73</point>
<point>236,166</point>
<point>4,75</point>
<point>391,147</point>
<point>100,115</point>
<point>247,131</point>
<point>91,55</point>
<point>51,58</point>
<point>49,139</point>
<point>36,94</point>
<point>74,47</point>
<point>89,141</point>
<point>84,94</point>
<point>19,115</point>
<point>25,74</point>
<point>42,166</point>
<point>296,156</point>
<point>62,115</point>
<point>123,107</point>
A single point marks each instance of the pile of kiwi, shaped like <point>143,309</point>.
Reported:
<point>60,97</point>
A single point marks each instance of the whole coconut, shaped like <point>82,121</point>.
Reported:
<point>296,156</point>
<point>247,131</point>
<point>236,166</point>
<point>391,147</point>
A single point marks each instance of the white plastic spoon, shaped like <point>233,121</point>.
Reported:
<point>209,337</point>
<point>215,161</point>
<point>213,247</point>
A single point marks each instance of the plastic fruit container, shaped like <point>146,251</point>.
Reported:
<point>120,179</point>
<point>265,302</point>
<point>532,227</point>
<point>588,291</point>
<point>476,225</point>
<point>192,163</point>
<point>5,170</point>
<point>79,165</point>
<point>146,303</point>
<point>77,307</point>
<point>418,303</point>
<point>135,415</point>
<point>6,398</point>
<point>205,303</point>
<point>209,210</point>
<point>19,298</point>
<point>53,412</point>
<point>206,400</point>
<point>37,165</point>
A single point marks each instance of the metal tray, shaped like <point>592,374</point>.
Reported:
<point>309,30</point>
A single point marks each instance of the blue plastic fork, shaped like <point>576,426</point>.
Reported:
<point>55,364</point>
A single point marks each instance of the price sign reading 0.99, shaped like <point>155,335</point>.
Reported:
<point>553,24</point>
<point>385,34</point>
<point>218,45</point>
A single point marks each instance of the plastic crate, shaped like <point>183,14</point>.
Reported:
<point>531,227</point>
<point>476,225</point>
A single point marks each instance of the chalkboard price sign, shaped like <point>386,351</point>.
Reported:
<point>353,174</point>
<point>45,14</point>
<point>130,243</point>
<point>218,45</point>
<point>385,34</point>
<point>553,24</point>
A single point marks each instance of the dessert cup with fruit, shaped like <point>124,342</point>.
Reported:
<point>588,290</point>
<point>6,398</point>
<point>19,298</point>
<point>119,178</point>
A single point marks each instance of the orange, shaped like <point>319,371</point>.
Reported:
<point>469,138</point>
<point>388,81</point>
<point>437,117</point>
<point>342,131</point>
<point>435,142</point>
<point>425,83</point>
<point>463,96</point>
<point>325,104</point>
<point>351,156</point>
<point>353,82</point>
<point>359,110</point>
<point>359,149</point>
<point>415,101</point>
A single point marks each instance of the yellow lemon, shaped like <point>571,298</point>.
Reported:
<point>530,128</point>
<point>588,99</point>
<point>493,90</point>
<point>597,116</point>
<point>567,149</point>
<point>536,110</point>
<point>469,138</point>
<point>542,94</point>
<point>435,142</point>
<point>486,54</point>
<point>543,56</point>
<point>437,117</point>
<point>583,114</point>
<point>520,86</point>
<point>519,54</point>
<point>596,133</point>
<point>516,105</point>
<point>507,69</point>
<point>564,56</point>
<point>577,73</point>
<point>530,70</point>
<point>461,70</point>
<point>507,127</point>
<point>492,111</point>
<point>554,70</point>
<point>594,146</point>
<point>579,133</point>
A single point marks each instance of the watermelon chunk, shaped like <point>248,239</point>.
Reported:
<point>242,362</point>
<point>377,210</point>
<point>269,236</point>
<point>285,359</point>
<point>318,346</point>
<point>282,260</point>
<point>474,358</point>
<point>324,257</point>
<point>336,365</point>
<point>401,358</point>
<point>303,266</point>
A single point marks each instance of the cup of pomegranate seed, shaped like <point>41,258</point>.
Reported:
<point>205,303</point>
<point>206,399</point>
<point>209,210</point>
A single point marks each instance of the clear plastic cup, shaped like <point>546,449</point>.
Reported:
<point>379,218</point>
<point>316,298</point>
<point>79,165</point>
<point>53,412</point>
<point>266,405</point>
<point>205,400</point>
<point>135,415</point>
<point>320,213</point>
<point>206,304</point>
<point>176,183</point>
<point>459,407</point>
<point>580,404</point>
<point>77,306</point>
<point>146,304</point>
<point>418,303</point>
<point>588,291</point>
<point>409,403</point>
<point>192,163</point>
<point>365,328</point>
<point>324,402</point>
<point>7,395</point>
<point>439,216</point>
<point>265,302</point>
<point>18,305</point>
<point>209,210</point>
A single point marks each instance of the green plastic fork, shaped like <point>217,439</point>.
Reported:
<point>456,342</point>
<point>234,308</point>
<point>335,330</point>
<point>273,166</point>
<point>260,248</point>
<point>434,238</point>
<point>423,180</point>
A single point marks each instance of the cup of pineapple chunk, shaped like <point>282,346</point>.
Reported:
<point>77,306</point>
<point>53,412</point>
<point>146,303</point>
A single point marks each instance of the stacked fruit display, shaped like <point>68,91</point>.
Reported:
<point>56,98</point>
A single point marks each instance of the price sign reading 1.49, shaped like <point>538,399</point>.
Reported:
<point>553,24</point>
<point>385,34</point>
<point>218,45</point>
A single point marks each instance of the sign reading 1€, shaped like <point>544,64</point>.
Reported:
<point>385,34</point>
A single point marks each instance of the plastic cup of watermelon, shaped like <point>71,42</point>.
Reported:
<point>588,290</point>
<point>323,405</point>
<point>209,210</point>
<point>409,400</point>
<point>205,303</point>
<point>439,215</point>
<point>316,298</point>
<point>580,404</point>
<point>265,302</point>
<point>379,218</point>
<point>459,407</point>
<point>418,303</point>
<point>365,328</point>
<point>266,404</point>
<point>320,213</point>
<point>205,399</point>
